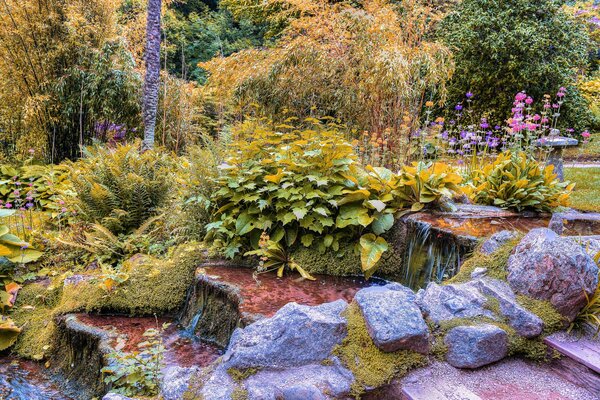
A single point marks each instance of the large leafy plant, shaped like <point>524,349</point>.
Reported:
<point>516,181</point>
<point>304,187</point>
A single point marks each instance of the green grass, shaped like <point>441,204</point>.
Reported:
<point>587,152</point>
<point>586,195</point>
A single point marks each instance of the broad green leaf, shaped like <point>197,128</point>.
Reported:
<point>382,223</point>
<point>8,333</point>
<point>372,247</point>
<point>26,256</point>
<point>307,240</point>
<point>244,224</point>
<point>378,205</point>
<point>417,207</point>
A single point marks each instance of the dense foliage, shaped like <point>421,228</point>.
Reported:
<point>518,182</point>
<point>370,67</point>
<point>120,188</point>
<point>503,47</point>
<point>64,69</point>
<point>304,187</point>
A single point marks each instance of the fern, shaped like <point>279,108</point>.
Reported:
<point>121,188</point>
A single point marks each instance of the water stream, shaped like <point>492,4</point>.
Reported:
<point>428,258</point>
<point>26,380</point>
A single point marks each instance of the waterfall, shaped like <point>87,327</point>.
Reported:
<point>429,256</point>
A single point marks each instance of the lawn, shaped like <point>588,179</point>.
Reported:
<point>588,152</point>
<point>586,196</point>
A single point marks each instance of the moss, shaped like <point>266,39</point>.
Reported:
<point>34,313</point>
<point>371,367</point>
<point>345,262</point>
<point>495,263</point>
<point>240,375</point>
<point>154,286</point>
<point>239,394</point>
<point>553,320</point>
<point>327,362</point>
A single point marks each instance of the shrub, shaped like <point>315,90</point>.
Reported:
<point>518,182</point>
<point>504,47</point>
<point>305,188</point>
<point>120,188</point>
<point>368,64</point>
<point>30,186</point>
<point>192,207</point>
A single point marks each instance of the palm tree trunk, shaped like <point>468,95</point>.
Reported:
<point>152,80</point>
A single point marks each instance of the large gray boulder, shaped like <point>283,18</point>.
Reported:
<point>475,346</point>
<point>308,382</point>
<point>393,320</point>
<point>441,303</point>
<point>546,266</point>
<point>175,381</point>
<point>524,322</point>
<point>296,335</point>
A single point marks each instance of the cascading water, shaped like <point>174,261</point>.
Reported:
<point>429,257</point>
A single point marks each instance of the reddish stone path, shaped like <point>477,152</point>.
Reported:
<point>510,379</point>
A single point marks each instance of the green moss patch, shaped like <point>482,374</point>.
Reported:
<point>154,286</point>
<point>495,263</point>
<point>371,367</point>
<point>345,262</point>
<point>240,375</point>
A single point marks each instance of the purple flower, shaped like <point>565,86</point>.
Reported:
<point>8,205</point>
<point>458,107</point>
<point>29,205</point>
<point>469,94</point>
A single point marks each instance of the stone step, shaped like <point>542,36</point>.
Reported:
<point>509,379</point>
<point>420,392</point>
<point>584,350</point>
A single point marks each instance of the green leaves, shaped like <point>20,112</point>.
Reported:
<point>244,224</point>
<point>303,188</point>
<point>515,181</point>
<point>372,247</point>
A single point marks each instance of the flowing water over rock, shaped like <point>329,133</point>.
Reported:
<point>180,349</point>
<point>26,380</point>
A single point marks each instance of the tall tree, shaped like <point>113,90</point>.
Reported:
<point>152,80</point>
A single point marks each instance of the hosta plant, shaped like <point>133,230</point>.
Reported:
<point>517,181</point>
<point>13,251</point>
<point>425,183</point>
<point>304,187</point>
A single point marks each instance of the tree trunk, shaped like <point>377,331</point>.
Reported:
<point>152,80</point>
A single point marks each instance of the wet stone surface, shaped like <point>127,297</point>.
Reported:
<point>128,332</point>
<point>268,293</point>
<point>26,380</point>
<point>481,226</point>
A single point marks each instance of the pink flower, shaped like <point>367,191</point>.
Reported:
<point>585,134</point>
<point>521,96</point>
<point>528,100</point>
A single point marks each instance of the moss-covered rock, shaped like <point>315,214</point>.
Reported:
<point>371,367</point>
<point>155,286</point>
<point>346,262</point>
<point>494,263</point>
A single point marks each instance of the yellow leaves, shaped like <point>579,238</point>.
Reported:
<point>275,178</point>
